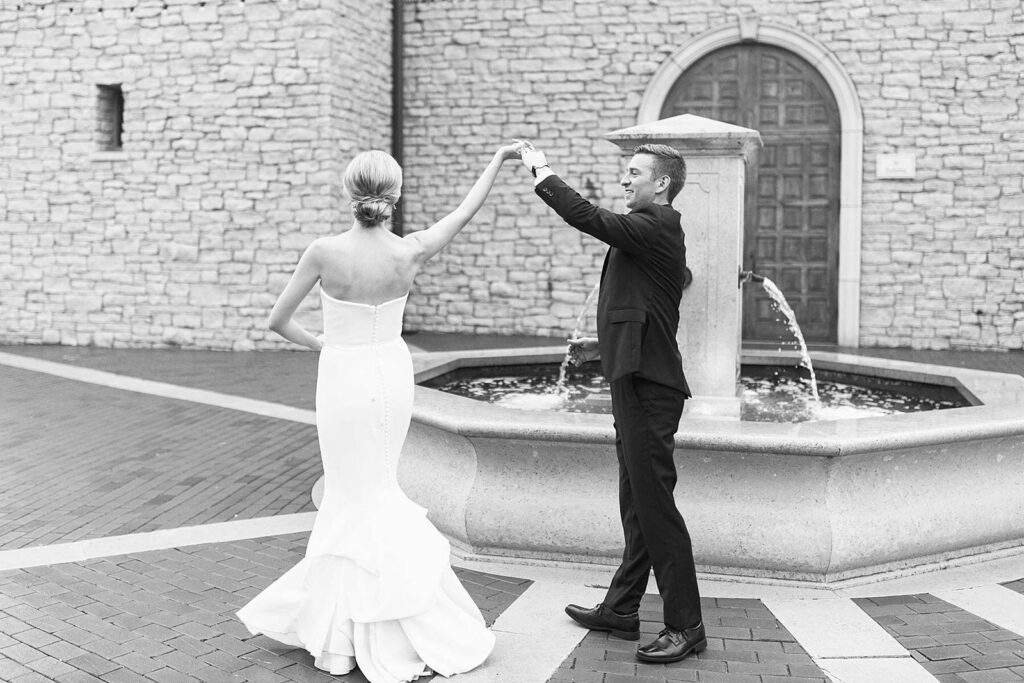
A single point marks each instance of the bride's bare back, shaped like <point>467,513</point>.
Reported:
<point>367,265</point>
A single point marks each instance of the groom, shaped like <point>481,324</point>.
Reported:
<point>642,282</point>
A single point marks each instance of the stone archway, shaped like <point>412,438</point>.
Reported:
<point>749,30</point>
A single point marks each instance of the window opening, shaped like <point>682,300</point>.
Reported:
<point>110,117</point>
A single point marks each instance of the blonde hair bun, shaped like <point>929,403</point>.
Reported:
<point>373,181</point>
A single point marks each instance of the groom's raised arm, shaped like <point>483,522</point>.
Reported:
<point>629,232</point>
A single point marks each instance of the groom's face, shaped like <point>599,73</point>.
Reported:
<point>639,183</point>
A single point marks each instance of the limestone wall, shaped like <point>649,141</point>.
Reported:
<point>942,255</point>
<point>239,116</point>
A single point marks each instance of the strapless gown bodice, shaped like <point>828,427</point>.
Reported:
<point>347,323</point>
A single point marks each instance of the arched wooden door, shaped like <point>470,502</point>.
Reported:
<point>791,231</point>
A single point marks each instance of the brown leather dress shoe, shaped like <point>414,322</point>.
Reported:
<point>600,618</point>
<point>672,645</point>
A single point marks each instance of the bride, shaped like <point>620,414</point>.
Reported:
<point>375,589</point>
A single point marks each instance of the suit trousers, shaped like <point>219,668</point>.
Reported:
<point>646,418</point>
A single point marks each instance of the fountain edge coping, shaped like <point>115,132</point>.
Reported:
<point>827,438</point>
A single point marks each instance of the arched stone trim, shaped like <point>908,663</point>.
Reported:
<point>748,28</point>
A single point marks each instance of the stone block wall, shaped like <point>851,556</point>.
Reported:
<point>241,114</point>
<point>239,117</point>
<point>942,255</point>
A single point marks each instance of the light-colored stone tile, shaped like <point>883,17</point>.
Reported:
<point>534,636</point>
<point>156,540</point>
<point>882,670</point>
<point>996,604</point>
<point>834,627</point>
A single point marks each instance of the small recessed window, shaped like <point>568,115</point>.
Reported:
<point>109,117</point>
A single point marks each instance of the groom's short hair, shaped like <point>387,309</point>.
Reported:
<point>667,161</point>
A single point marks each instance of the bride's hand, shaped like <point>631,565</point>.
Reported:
<point>512,151</point>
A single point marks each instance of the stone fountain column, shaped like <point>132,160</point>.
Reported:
<point>711,204</point>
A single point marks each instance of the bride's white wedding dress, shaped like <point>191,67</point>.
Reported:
<point>375,589</point>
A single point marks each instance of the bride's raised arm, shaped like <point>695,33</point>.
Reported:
<point>436,237</point>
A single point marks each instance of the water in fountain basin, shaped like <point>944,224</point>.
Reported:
<point>805,358</point>
<point>769,394</point>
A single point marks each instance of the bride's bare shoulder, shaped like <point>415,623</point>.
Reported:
<point>413,243</point>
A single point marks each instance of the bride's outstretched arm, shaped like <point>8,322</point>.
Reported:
<point>306,274</point>
<point>437,236</point>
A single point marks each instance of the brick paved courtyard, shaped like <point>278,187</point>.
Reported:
<point>102,462</point>
<point>83,462</point>
<point>167,616</point>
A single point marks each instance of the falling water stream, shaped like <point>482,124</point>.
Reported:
<point>805,358</point>
<point>553,399</point>
<point>560,387</point>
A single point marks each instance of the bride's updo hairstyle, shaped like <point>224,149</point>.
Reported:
<point>373,181</point>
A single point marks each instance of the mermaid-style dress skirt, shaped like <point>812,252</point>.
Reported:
<point>375,589</point>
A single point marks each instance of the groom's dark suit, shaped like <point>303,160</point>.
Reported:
<point>637,318</point>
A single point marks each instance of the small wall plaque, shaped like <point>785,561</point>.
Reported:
<point>896,166</point>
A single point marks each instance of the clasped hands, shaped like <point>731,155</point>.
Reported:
<point>532,158</point>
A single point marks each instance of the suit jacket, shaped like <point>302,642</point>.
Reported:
<point>641,284</point>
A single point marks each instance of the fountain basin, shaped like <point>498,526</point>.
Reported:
<point>818,501</point>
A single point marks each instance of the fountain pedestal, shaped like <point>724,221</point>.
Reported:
<point>711,204</point>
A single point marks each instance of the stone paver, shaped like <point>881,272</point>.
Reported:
<point>492,594</point>
<point>952,644</point>
<point>1017,586</point>
<point>169,615</point>
<point>746,644</point>
<point>104,462</point>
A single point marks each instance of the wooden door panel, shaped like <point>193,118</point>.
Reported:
<point>792,197</point>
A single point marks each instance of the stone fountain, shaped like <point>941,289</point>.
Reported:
<point>819,501</point>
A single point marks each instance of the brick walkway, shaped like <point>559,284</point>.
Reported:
<point>950,642</point>
<point>746,644</point>
<point>287,377</point>
<point>167,616</point>
<point>84,461</point>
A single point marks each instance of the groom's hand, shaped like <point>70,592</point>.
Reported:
<point>533,159</point>
<point>582,349</point>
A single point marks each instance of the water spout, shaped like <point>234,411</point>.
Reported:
<point>750,276</point>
